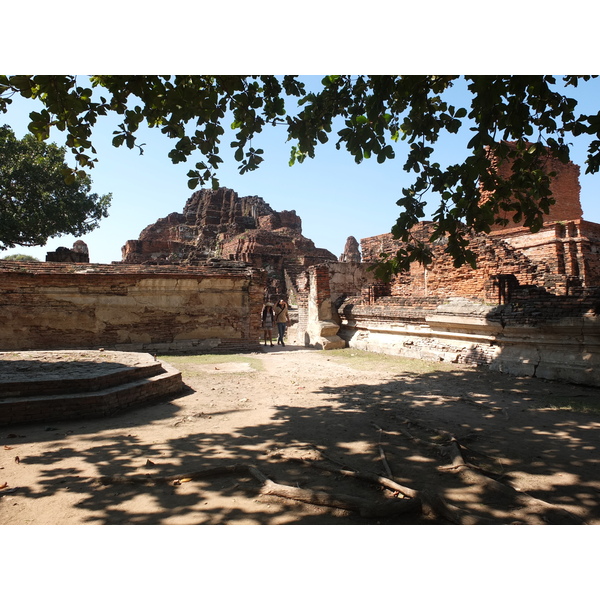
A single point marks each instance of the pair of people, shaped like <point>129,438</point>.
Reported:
<point>278,314</point>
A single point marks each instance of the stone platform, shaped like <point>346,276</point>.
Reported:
<point>49,386</point>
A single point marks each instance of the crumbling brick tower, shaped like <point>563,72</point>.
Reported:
<point>217,224</point>
<point>563,257</point>
<point>567,247</point>
<point>565,191</point>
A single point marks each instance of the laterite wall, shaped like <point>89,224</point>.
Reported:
<point>212,307</point>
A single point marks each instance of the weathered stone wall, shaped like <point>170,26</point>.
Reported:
<point>348,278</point>
<point>561,257</point>
<point>537,335</point>
<point>315,326</point>
<point>213,307</point>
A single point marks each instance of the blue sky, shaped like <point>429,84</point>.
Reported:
<point>334,196</point>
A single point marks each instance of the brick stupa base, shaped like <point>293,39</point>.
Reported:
<point>50,386</point>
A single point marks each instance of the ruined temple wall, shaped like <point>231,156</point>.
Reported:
<point>570,248</point>
<point>140,251</point>
<point>441,278</point>
<point>318,320</point>
<point>565,190</point>
<point>128,308</point>
<point>589,234</point>
<point>539,335</point>
<point>348,279</point>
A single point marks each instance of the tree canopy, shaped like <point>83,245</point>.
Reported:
<point>40,197</point>
<point>21,257</point>
<point>523,119</point>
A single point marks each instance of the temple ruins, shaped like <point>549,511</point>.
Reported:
<point>195,281</point>
<point>219,224</point>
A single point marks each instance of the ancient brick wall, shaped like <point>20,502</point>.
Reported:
<point>348,278</point>
<point>538,334</point>
<point>561,258</point>
<point>442,279</point>
<point>218,223</point>
<point>570,249</point>
<point>318,321</point>
<point>531,307</point>
<point>589,249</point>
<point>565,191</point>
<point>130,307</point>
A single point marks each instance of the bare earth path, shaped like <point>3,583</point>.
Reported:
<point>289,410</point>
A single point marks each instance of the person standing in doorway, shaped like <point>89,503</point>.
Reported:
<point>283,320</point>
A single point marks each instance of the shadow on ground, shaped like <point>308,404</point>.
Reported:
<point>501,422</point>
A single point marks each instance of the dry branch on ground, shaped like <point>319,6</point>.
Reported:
<point>471,475</point>
<point>365,508</point>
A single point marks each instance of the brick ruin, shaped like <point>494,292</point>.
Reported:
<point>351,251</point>
<point>79,253</point>
<point>530,308</point>
<point>210,307</point>
<point>218,223</point>
<point>564,185</point>
<point>195,281</point>
<point>563,257</point>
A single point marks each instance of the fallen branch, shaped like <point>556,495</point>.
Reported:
<point>386,466</point>
<point>430,502</point>
<point>270,488</point>
<point>473,476</point>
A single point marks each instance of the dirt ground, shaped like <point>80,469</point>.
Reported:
<point>473,446</point>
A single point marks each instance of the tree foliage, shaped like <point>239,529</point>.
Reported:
<point>40,197</point>
<point>524,119</point>
<point>21,257</point>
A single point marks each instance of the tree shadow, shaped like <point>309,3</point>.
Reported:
<point>499,420</point>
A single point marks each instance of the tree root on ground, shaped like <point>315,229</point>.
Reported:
<point>364,508</point>
<point>423,502</point>
<point>431,503</point>
<point>472,475</point>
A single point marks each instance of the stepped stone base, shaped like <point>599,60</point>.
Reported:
<point>56,386</point>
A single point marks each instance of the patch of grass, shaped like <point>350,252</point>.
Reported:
<point>368,361</point>
<point>184,361</point>
<point>582,404</point>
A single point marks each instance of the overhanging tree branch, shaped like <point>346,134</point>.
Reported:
<point>372,114</point>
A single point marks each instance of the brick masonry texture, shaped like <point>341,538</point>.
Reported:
<point>530,308</point>
<point>563,257</point>
<point>108,397</point>
<point>196,282</point>
<point>218,223</point>
<point>214,306</point>
<point>565,189</point>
